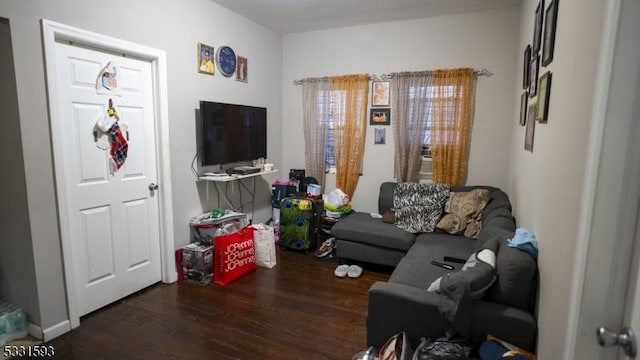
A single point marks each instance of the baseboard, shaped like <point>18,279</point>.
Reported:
<point>56,330</point>
<point>34,330</point>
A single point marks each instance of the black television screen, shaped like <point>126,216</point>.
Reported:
<point>232,133</point>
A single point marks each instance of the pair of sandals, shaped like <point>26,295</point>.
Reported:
<point>352,271</point>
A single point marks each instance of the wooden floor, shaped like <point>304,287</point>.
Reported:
<point>297,310</point>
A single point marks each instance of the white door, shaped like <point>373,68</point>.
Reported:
<point>607,290</point>
<point>113,216</point>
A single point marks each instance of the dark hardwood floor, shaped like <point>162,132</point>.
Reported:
<point>297,310</point>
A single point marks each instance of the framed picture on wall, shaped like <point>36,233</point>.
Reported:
<point>380,93</point>
<point>380,116</point>
<point>379,136</point>
<point>537,28</point>
<point>242,68</point>
<point>531,127</point>
<point>523,108</point>
<point>533,75</point>
<point>205,59</point>
<point>551,16</point>
<point>525,67</point>
<point>544,92</point>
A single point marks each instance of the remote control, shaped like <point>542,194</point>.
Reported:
<point>454,259</point>
<point>446,266</point>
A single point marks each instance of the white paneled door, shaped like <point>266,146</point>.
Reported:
<point>113,217</point>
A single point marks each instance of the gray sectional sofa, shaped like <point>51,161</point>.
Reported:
<point>506,308</point>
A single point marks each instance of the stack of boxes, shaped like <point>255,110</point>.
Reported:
<point>197,257</point>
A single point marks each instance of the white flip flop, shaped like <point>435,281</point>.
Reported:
<point>341,270</point>
<point>354,271</point>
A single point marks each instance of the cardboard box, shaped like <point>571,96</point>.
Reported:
<point>197,263</point>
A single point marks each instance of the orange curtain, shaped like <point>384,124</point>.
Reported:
<point>350,124</point>
<point>452,119</point>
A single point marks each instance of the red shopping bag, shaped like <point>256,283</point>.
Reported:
<point>234,256</point>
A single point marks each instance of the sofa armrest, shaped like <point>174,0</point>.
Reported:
<point>395,307</point>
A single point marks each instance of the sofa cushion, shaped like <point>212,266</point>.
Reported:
<point>385,197</point>
<point>415,268</point>
<point>362,228</point>
<point>516,271</point>
<point>464,212</point>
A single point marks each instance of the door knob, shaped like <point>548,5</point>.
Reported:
<point>153,187</point>
<point>626,339</point>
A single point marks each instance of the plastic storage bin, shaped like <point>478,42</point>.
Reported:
<point>13,323</point>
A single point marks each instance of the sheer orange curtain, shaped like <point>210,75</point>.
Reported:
<point>451,119</point>
<point>350,124</point>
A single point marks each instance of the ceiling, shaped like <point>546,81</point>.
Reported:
<point>292,16</point>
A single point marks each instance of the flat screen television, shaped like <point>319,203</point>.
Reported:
<point>232,133</point>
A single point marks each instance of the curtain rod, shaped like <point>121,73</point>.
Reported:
<point>384,77</point>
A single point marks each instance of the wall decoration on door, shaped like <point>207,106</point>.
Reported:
<point>107,81</point>
<point>379,136</point>
<point>205,59</point>
<point>243,69</point>
<point>380,93</point>
<point>380,116</point>
<point>110,125</point>
<point>551,17</point>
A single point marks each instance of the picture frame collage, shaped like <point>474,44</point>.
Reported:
<point>380,112</point>
<point>224,59</point>
<point>538,87</point>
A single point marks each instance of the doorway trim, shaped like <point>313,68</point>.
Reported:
<point>53,32</point>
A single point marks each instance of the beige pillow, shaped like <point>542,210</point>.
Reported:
<point>463,212</point>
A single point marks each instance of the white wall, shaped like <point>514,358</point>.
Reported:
<point>478,40</point>
<point>17,270</point>
<point>176,27</point>
<point>546,185</point>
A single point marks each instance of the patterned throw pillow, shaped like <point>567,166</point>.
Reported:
<point>418,207</point>
<point>463,212</point>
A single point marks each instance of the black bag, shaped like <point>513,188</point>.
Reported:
<point>440,350</point>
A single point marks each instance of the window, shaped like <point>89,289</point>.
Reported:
<point>422,100</point>
<point>337,99</point>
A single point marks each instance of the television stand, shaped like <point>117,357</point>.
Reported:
<point>216,180</point>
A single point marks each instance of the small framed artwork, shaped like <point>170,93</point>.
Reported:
<point>551,16</point>
<point>537,28</point>
<point>531,127</point>
<point>242,69</point>
<point>523,108</point>
<point>525,67</point>
<point>380,116</point>
<point>380,93</point>
<point>544,92</point>
<point>533,75</point>
<point>205,59</point>
<point>379,136</point>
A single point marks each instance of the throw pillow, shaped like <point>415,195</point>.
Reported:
<point>418,207</point>
<point>463,212</point>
